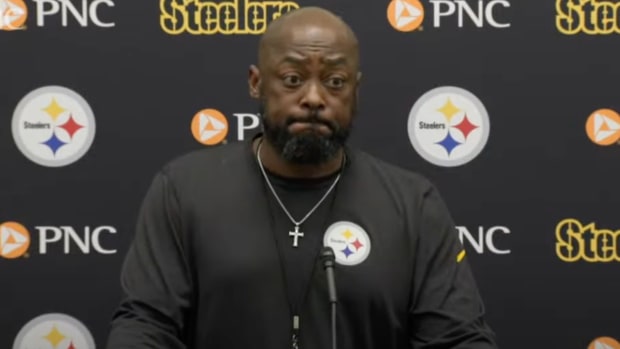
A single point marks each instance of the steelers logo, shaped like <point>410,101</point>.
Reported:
<point>349,241</point>
<point>54,330</point>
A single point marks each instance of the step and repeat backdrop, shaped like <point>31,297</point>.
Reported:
<point>509,106</point>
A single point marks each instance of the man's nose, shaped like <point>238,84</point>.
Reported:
<point>313,97</point>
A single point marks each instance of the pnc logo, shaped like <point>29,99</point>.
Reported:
<point>86,14</point>
<point>603,127</point>
<point>228,17</point>
<point>211,127</point>
<point>405,15</point>
<point>448,126</point>
<point>604,343</point>
<point>408,15</point>
<point>13,14</point>
<point>591,17</point>
<point>14,240</point>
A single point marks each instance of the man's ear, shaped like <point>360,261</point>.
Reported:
<point>357,83</point>
<point>254,81</point>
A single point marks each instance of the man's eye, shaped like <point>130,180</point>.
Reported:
<point>292,80</point>
<point>336,82</point>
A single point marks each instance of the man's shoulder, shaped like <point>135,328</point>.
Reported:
<point>392,173</point>
<point>206,161</point>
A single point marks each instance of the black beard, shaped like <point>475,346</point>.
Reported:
<point>306,148</point>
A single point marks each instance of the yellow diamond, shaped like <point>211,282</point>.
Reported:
<point>55,337</point>
<point>347,234</point>
<point>449,110</point>
<point>54,109</point>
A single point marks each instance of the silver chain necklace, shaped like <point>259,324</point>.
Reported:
<point>296,234</point>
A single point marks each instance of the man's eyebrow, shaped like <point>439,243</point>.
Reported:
<point>338,60</point>
<point>294,59</point>
<point>297,59</point>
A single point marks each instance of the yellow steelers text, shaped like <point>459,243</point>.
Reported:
<point>232,17</point>
<point>592,17</point>
<point>577,242</point>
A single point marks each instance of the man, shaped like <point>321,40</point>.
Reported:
<point>226,253</point>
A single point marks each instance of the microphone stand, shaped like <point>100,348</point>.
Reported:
<point>328,257</point>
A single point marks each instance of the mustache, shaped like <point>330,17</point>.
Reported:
<point>314,118</point>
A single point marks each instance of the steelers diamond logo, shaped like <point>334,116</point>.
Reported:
<point>54,331</point>
<point>53,126</point>
<point>349,241</point>
<point>448,126</point>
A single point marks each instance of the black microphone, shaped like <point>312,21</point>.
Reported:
<point>329,258</point>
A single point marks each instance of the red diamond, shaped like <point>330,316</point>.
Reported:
<point>71,126</point>
<point>466,127</point>
<point>71,346</point>
<point>357,244</point>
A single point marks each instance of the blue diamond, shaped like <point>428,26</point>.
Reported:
<point>347,252</point>
<point>54,143</point>
<point>449,143</point>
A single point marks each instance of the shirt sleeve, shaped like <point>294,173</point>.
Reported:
<point>155,277</point>
<point>447,310</point>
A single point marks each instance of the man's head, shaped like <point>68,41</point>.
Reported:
<point>306,82</point>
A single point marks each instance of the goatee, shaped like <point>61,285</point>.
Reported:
<point>307,148</point>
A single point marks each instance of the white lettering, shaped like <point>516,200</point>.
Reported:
<point>488,12</point>
<point>97,243</point>
<point>477,18</point>
<point>242,126</point>
<point>477,244</point>
<point>484,238</point>
<point>81,18</point>
<point>438,13</point>
<point>44,239</point>
<point>491,241</point>
<point>70,238</point>
<point>478,13</point>
<point>42,11</point>
<point>83,244</point>
<point>94,15</point>
<point>67,8</point>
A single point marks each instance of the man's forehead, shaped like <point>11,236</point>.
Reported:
<point>309,35</point>
<point>305,55</point>
<point>308,38</point>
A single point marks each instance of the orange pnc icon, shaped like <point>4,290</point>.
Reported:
<point>603,127</point>
<point>209,127</point>
<point>14,240</point>
<point>604,343</point>
<point>405,15</point>
<point>13,14</point>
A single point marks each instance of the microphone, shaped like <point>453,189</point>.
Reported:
<point>328,257</point>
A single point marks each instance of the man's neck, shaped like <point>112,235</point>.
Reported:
<point>273,161</point>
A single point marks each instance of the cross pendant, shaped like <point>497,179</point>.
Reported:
<point>296,235</point>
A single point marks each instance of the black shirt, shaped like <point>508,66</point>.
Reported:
<point>205,271</point>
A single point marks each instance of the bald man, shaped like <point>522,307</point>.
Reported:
<point>227,251</point>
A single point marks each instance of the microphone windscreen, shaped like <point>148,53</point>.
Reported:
<point>328,256</point>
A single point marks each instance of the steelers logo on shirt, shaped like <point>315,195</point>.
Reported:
<point>349,241</point>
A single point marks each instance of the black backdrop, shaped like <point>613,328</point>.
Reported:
<point>539,79</point>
